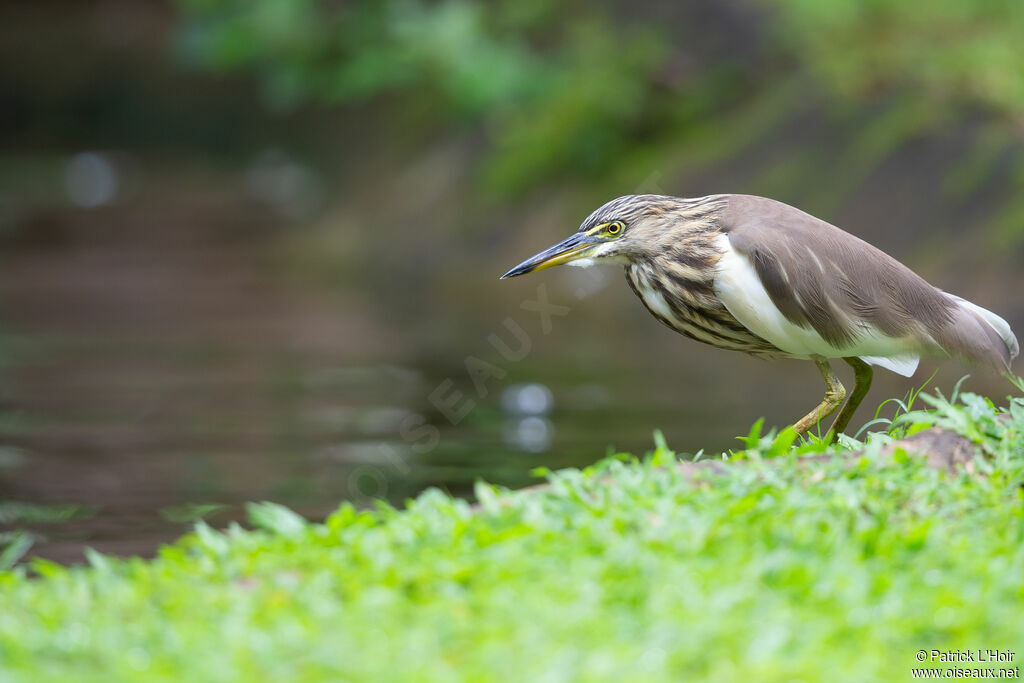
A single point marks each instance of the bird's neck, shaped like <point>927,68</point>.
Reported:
<point>686,239</point>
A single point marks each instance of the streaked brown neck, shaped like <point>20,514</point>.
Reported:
<point>679,236</point>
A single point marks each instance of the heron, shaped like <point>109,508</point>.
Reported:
<point>753,274</point>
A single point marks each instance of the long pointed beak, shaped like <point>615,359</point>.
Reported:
<point>569,249</point>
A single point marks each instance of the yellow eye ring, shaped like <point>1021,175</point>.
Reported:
<point>615,228</point>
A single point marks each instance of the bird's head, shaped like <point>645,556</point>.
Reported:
<point>622,231</point>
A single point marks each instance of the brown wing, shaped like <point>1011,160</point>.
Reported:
<point>821,277</point>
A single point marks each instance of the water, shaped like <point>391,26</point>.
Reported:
<point>157,371</point>
<point>162,363</point>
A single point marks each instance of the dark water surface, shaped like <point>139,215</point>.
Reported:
<point>157,371</point>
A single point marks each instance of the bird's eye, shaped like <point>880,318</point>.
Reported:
<point>615,228</point>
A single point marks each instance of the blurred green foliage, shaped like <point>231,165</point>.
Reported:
<point>956,54</point>
<point>945,62</point>
<point>305,49</point>
<point>555,88</point>
<point>570,91</point>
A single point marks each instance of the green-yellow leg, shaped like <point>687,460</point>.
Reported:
<point>834,395</point>
<point>863,374</point>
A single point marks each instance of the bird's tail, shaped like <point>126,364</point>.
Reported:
<point>978,336</point>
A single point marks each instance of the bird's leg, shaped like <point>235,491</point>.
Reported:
<point>863,374</point>
<point>834,395</point>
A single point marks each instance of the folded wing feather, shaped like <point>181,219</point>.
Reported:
<point>813,290</point>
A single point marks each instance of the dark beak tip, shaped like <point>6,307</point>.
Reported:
<point>539,260</point>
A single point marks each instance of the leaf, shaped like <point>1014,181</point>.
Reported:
<point>276,518</point>
<point>783,442</point>
<point>752,439</point>
<point>487,496</point>
<point>663,455</point>
<point>190,512</point>
<point>14,548</point>
<point>210,538</point>
<point>97,560</point>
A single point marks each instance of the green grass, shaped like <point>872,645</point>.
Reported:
<point>624,571</point>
